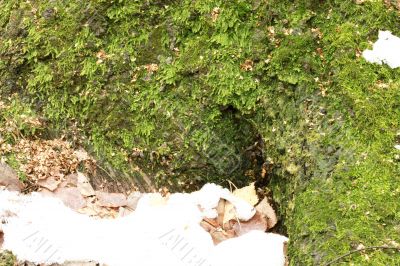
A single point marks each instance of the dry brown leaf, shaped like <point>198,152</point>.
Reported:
<point>71,197</point>
<point>84,186</point>
<point>265,209</point>
<point>81,155</point>
<point>94,210</point>
<point>40,159</point>
<point>215,14</point>
<point>50,183</point>
<point>258,222</point>
<point>151,68</point>
<point>111,200</point>
<point>9,178</point>
<point>247,194</point>
<point>247,65</point>
<point>70,180</point>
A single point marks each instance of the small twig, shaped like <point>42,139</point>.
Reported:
<point>231,184</point>
<point>358,250</point>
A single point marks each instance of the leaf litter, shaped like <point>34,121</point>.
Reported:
<point>51,168</point>
<point>83,236</point>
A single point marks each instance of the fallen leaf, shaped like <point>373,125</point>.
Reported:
<point>9,178</point>
<point>247,65</point>
<point>101,55</point>
<point>70,180</point>
<point>89,210</point>
<point>71,197</point>
<point>247,194</point>
<point>50,183</point>
<point>111,200</point>
<point>215,14</point>
<point>95,210</point>
<point>258,222</point>
<point>84,186</point>
<point>133,200</point>
<point>266,210</point>
<point>81,155</point>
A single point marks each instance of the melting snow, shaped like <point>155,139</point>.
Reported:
<point>43,230</point>
<point>385,50</point>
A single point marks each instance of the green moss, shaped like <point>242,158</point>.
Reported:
<point>7,259</point>
<point>226,74</point>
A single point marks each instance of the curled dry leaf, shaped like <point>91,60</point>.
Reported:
<point>266,210</point>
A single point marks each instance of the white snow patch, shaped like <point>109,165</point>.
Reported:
<point>385,50</point>
<point>43,230</point>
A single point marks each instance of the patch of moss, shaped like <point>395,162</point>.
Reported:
<point>7,259</point>
<point>210,90</point>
